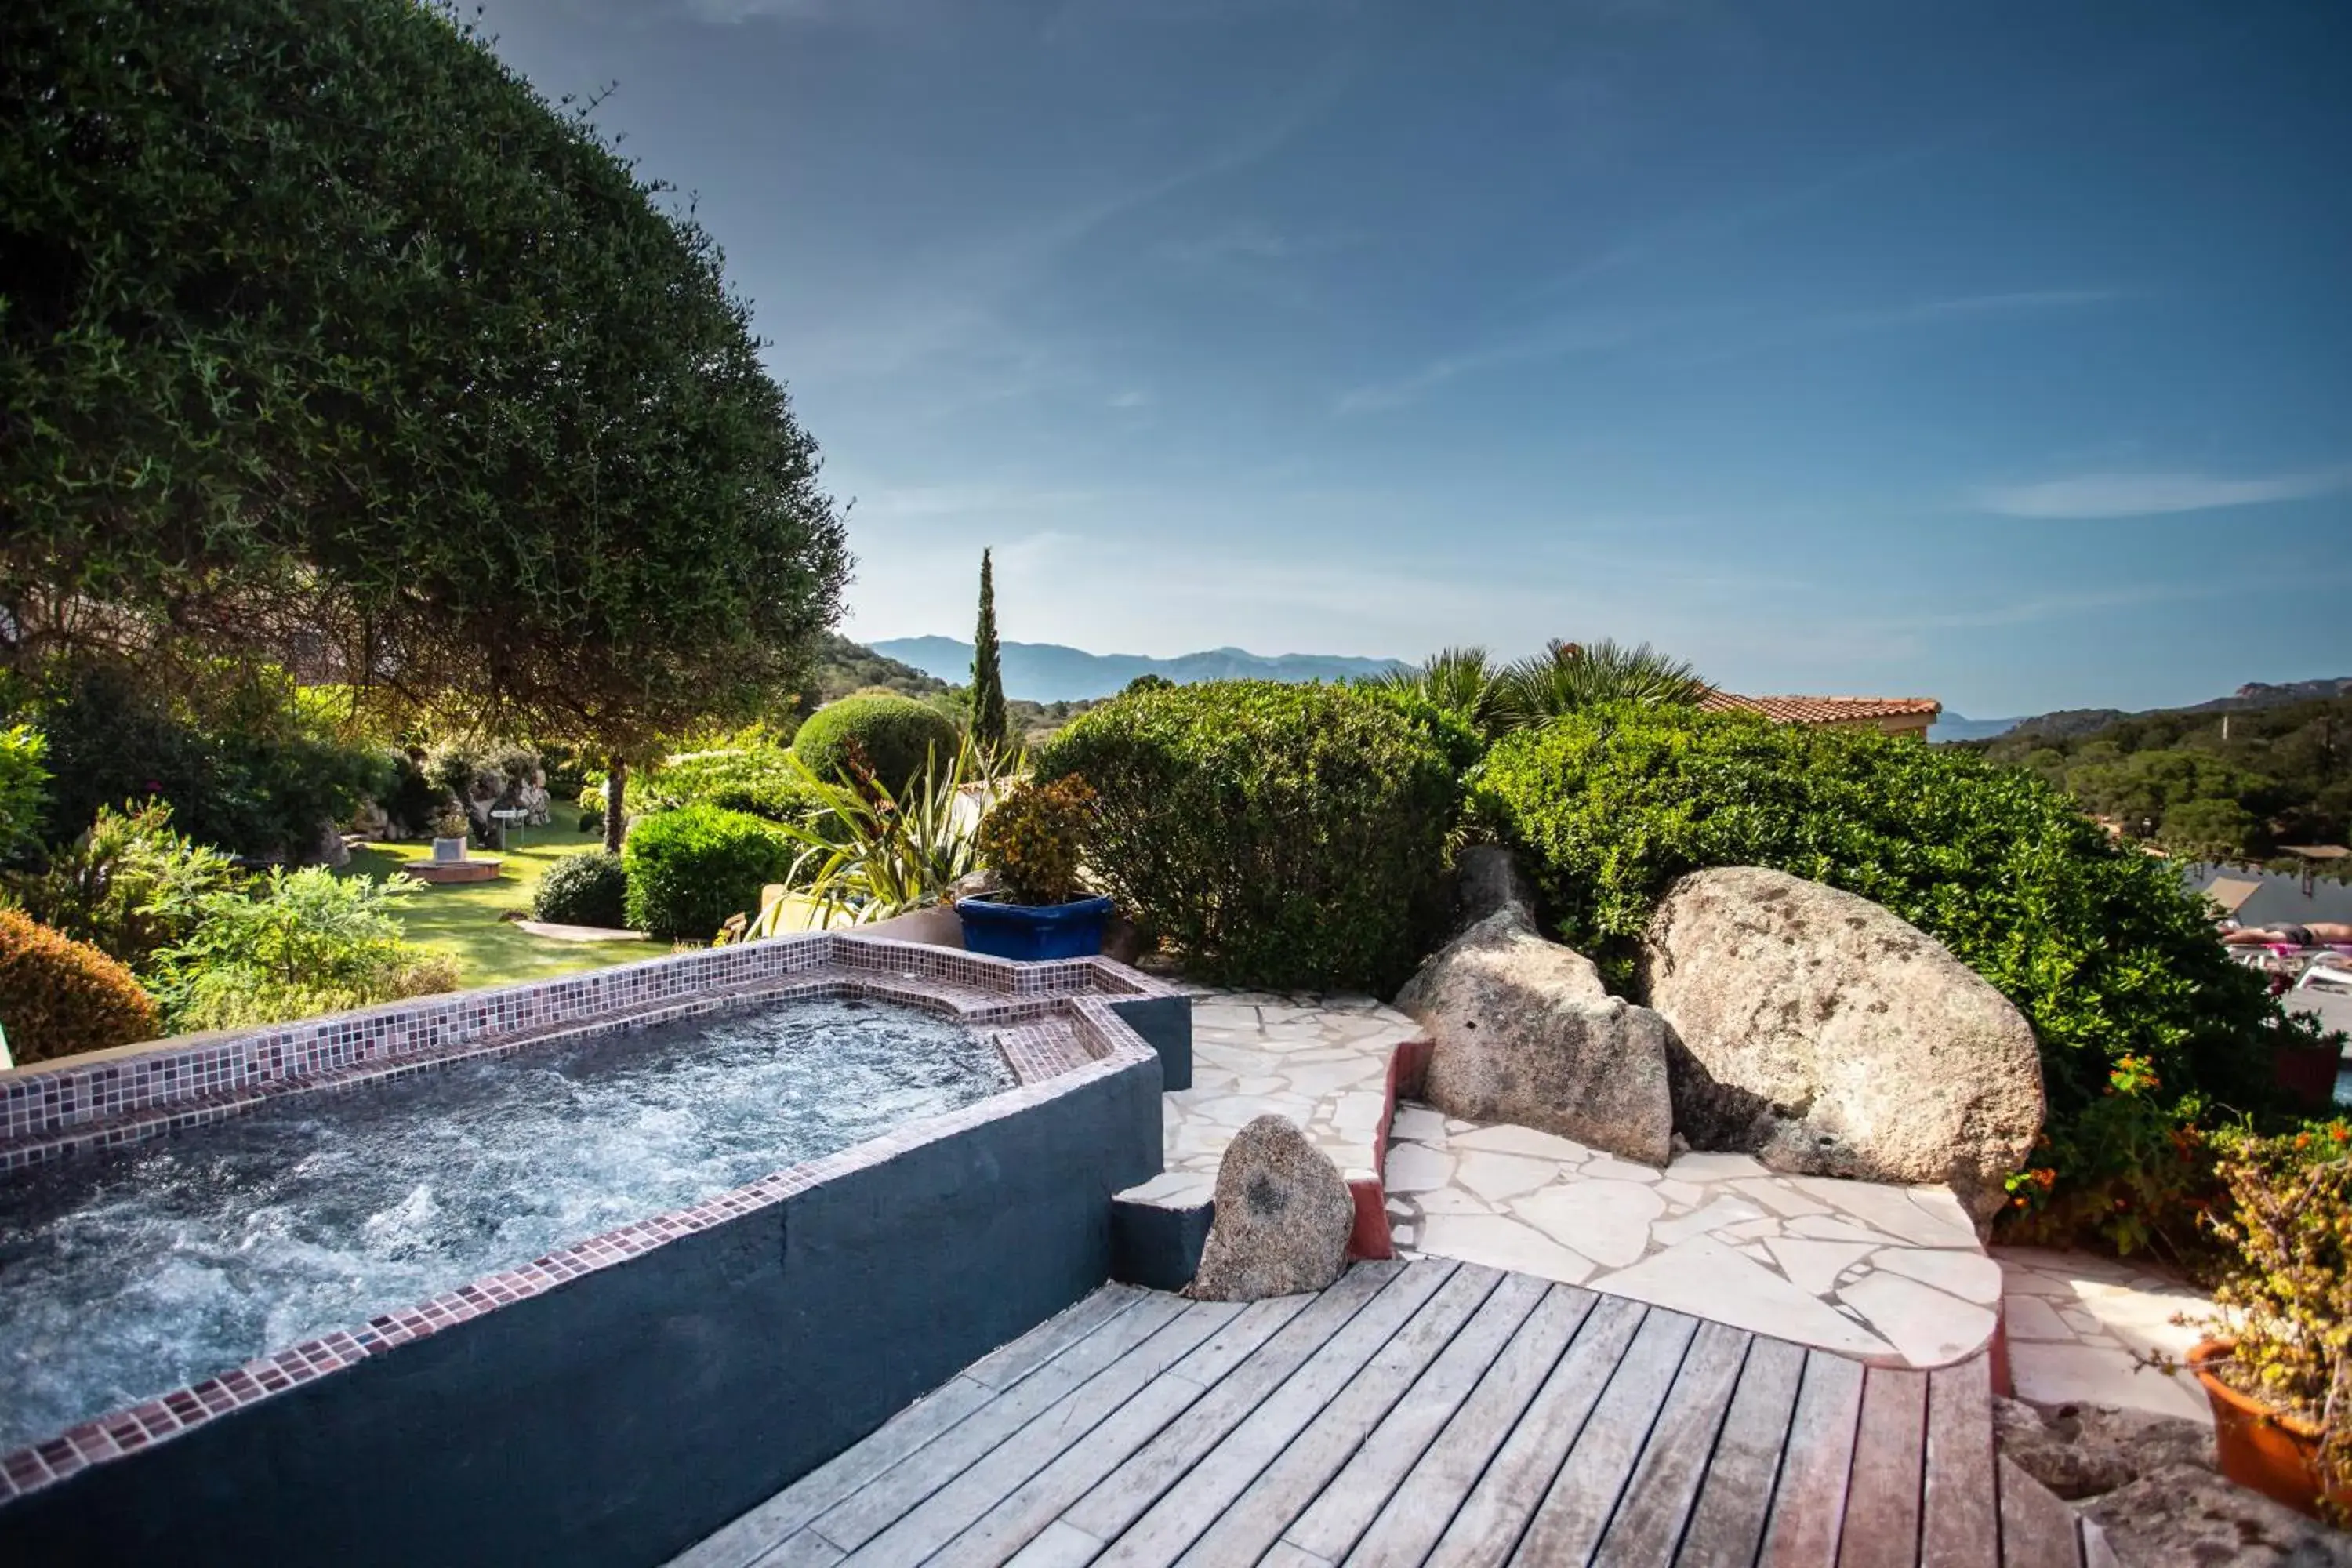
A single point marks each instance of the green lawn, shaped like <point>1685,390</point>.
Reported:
<point>464,920</point>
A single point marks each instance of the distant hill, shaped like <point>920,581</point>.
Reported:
<point>843,667</point>
<point>2069,722</point>
<point>1048,672</point>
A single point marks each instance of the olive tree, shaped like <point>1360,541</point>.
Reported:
<point>325,335</point>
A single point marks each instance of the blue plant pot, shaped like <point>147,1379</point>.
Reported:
<point>1023,931</point>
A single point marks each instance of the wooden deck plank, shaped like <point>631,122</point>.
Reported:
<point>1424,1504</point>
<point>1488,1526</point>
<point>803,1549</point>
<point>1809,1503</point>
<point>2037,1528</point>
<point>1665,1487</point>
<point>1330,1525</point>
<point>1058,1545</point>
<point>1034,1506</point>
<point>874,1506</point>
<point>1007,1365</point>
<point>1113,1504</point>
<point>767,1526</point>
<point>1882,1498</point>
<point>1249,1530</point>
<point>1187,1508</point>
<point>1426,1413</point>
<point>1727,1525</point>
<point>1567,1525</point>
<point>930,1524</point>
<point>1959,1525</point>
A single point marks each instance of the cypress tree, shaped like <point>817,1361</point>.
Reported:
<point>987,678</point>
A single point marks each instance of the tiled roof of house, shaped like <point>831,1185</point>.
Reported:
<point>1821,709</point>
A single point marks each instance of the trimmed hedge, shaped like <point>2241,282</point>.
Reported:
<point>897,734</point>
<point>59,997</point>
<point>691,869</point>
<point>2147,1027</point>
<point>590,889</point>
<point>1276,835</point>
<point>760,780</point>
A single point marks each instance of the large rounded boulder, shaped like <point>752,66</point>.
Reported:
<point>1523,1030</point>
<point>1829,1037</point>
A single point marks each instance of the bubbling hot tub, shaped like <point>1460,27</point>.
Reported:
<point>589,1267</point>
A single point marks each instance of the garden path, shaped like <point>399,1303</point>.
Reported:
<point>2075,1320</point>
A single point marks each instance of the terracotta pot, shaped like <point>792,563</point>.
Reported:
<point>2262,1448</point>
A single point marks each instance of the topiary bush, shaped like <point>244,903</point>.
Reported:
<point>690,870</point>
<point>590,889</point>
<point>58,997</point>
<point>1276,835</point>
<point>897,734</point>
<point>2147,1028</point>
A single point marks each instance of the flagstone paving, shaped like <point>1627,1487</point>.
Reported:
<point>1322,1062</point>
<point>2076,1322</point>
<point>1889,1273</point>
<point>1892,1273</point>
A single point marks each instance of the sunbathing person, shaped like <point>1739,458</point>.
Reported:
<point>2287,933</point>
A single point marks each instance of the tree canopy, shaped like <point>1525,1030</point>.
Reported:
<point>324,334</point>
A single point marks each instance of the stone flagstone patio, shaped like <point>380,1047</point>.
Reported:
<point>1892,1273</point>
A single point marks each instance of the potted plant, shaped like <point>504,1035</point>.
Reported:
<point>1031,842</point>
<point>2277,1367</point>
<point>449,828</point>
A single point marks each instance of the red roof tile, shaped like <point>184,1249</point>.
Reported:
<point>1821,710</point>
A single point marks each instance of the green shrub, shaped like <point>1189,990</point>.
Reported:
<point>58,997</point>
<point>590,889</point>
<point>130,887</point>
<point>2284,1296</point>
<point>24,784</point>
<point>414,798</point>
<point>1278,835</point>
<point>243,766</point>
<point>1033,839</point>
<point>691,869</point>
<point>2146,1025</point>
<point>292,945</point>
<point>895,734</point>
<point>760,780</point>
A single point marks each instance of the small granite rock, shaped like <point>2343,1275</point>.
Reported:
<point>1282,1221</point>
<point>2083,1450</point>
<point>1524,1031</point>
<point>1829,1037</point>
<point>2183,1517</point>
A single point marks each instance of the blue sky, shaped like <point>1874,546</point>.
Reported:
<point>1996,353</point>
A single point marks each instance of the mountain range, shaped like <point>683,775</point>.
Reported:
<point>1951,726</point>
<point>1049,672</point>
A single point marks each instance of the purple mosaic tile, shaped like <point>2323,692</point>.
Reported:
<point>1064,1036</point>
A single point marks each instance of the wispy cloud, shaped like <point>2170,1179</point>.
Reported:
<point>1563,338</point>
<point>1922,314</point>
<point>1132,398</point>
<point>2090,496</point>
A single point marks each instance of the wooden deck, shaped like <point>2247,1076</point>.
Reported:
<point>1420,1413</point>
